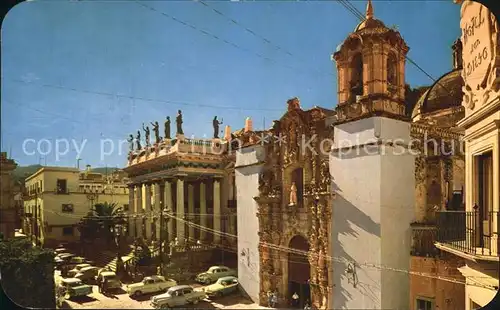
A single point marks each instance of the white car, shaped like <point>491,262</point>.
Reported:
<point>151,284</point>
<point>77,269</point>
<point>178,296</point>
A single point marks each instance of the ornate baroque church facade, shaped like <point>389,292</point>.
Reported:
<point>290,248</point>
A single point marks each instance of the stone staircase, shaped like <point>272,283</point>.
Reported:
<point>107,259</point>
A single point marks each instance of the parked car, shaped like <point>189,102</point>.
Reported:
<point>214,273</point>
<point>151,284</point>
<point>62,258</point>
<point>223,286</point>
<point>75,261</point>
<point>87,274</point>
<point>75,287</point>
<point>112,280</point>
<point>180,295</point>
<point>77,268</point>
<point>60,250</point>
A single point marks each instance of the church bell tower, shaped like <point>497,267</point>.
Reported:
<point>371,71</point>
<point>372,170</point>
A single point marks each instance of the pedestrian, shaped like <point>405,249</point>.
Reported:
<point>99,285</point>
<point>269,299</point>
<point>274,299</point>
<point>307,306</point>
<point>295,300</point>
<point>105,286</point>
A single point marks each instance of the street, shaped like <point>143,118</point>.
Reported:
<point>120,300</point>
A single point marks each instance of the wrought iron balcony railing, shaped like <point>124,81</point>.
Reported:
<point>469,232</point>
<point>423,238</point>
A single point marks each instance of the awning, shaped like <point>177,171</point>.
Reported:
<point>474,276</point>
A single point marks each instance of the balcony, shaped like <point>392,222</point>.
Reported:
<point>469,235</point>
<point>423,237</point>
<point>61,191</point>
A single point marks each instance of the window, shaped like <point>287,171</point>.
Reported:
<point>125,208</point>
<point>484,184</point>
<point>357,76</point>
<point>67,231</point>
<point>61,186</point>
<point>424,304</point>
<point>392,66</point>
<point>67,208</point>
<point>474,306</point>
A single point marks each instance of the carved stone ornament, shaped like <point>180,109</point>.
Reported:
<point>479,52</point>
<point>265,181</point>
<point>325,181</point>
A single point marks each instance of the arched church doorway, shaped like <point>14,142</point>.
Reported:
<point>299,272</point>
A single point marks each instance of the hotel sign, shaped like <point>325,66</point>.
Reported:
<point>477,51</point>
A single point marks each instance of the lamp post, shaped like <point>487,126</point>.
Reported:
<point>164,217</point>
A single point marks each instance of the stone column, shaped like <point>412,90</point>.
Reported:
<point>168,203</point>
<point>139,211</point>
<point>131,212</point>
<point>420,189</point>
<point>157,209</point>
<point>203,211</point>
<point>148,211</point>
<point>191,211</point>
<point>181,231</point>
<point>217,218</point>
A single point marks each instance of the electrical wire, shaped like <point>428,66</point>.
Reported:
<point>317,256</point>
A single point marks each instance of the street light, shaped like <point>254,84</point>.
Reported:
<point>164,216</point>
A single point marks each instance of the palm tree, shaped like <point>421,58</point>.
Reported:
<point>108,215</point>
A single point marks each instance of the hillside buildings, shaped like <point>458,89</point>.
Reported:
<point>58,197</point>
<point>8,212</point>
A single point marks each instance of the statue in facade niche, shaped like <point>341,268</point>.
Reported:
<point>293,195</point>
<point>131,142</point>
<point>167,128</point>
<point>146,134</point>
<point>156,129</point>
<point>216,124</point>
<point>138,140</point>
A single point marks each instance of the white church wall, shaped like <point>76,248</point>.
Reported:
<point>249,162</point>
<point>371,214</point>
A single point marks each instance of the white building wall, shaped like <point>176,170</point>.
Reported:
<point>372,212</point>
<point>247,168</point>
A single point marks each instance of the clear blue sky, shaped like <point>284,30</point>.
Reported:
<point>56,55</point>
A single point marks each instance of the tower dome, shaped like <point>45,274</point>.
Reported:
<point>370,22</point>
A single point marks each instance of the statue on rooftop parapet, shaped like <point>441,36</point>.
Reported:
<point>138,140</point>
<point>178,120</point>
<point>131,142</point>
<point>156,129</point>
<point>216,124</point>
<point>167,128</point>
<point>146,134</point>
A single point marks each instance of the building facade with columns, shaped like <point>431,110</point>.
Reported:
<point>472,234</point>
<point>188,181</point>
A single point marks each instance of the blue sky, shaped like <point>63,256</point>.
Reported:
<point>62,61</point>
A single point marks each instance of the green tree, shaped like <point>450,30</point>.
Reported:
<point>100,221</point>
<point>27,274</point>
